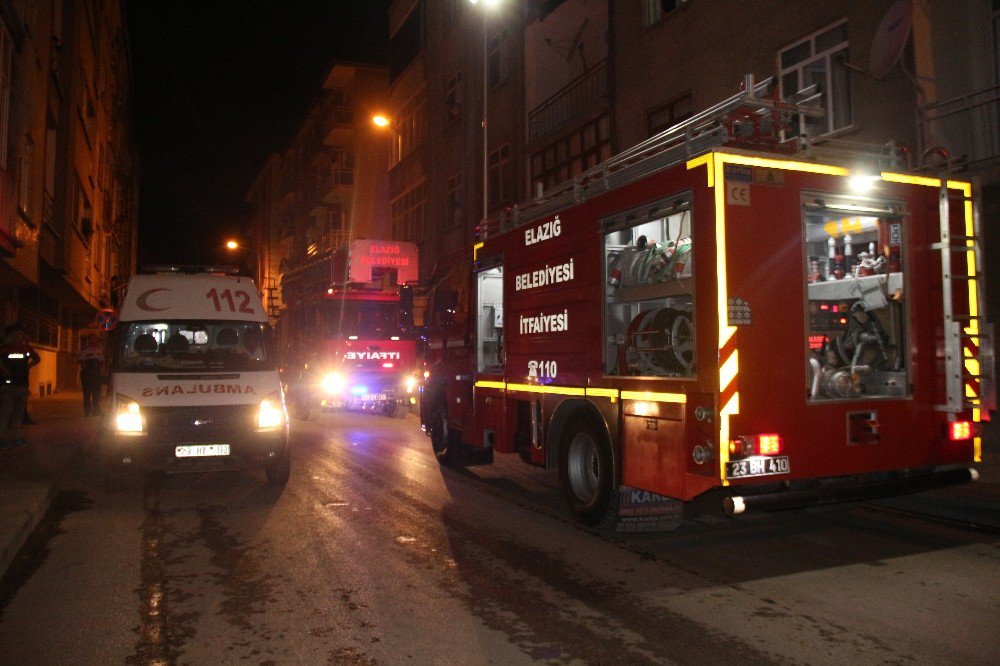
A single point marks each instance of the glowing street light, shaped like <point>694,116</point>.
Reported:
<point>232,245</point>
<point>380,120</point>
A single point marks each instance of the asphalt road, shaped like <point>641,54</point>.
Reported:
<point>374,555</point>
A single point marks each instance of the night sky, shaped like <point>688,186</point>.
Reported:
<point>219,85</point>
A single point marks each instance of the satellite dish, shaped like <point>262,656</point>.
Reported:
<point>890,38</point>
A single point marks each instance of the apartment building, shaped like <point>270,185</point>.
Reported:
<point>328,186</point>
<point>570,82</point>
<point>68,173</point>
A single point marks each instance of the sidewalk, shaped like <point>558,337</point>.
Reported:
<point>26,490</point>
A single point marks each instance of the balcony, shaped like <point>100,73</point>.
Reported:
<point>581,96</point>
<point>340,126</point>
<point>338,183</point>
<point>968,127</point>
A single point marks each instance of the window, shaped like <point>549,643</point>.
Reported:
<point>25,177</point>
<point>856,337</point>
<point>657,9</point>
<point>586,147</point>
<point>649,291</point>
<point>489,326</point>
<point>668,115</point>
<point>820,59</point>
<point>411,127</point>
<point>497,61</point>
<point>453,213</point>
<point>453,98</point>
<point>5,83</point>
<point>408,214</point>
<point>501,178</point>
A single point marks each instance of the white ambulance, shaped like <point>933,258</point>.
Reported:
<point>194,377</point>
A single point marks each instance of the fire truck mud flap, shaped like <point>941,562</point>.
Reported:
<point>749,499</point>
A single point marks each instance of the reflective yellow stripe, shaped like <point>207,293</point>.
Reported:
<point>475,250</point>
<point>730,368</point>
<point>709,162</point>
<point>650,396</point>
<point>603,392</point>
<point>731,407</point>
<point>787,165</point>
<point>542,388</point>
<point>492,385</point>
<point>557,390</point>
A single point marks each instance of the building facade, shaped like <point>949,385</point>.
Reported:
<point>570,82</point>
<point>328,186</point>
<point>68,174</point>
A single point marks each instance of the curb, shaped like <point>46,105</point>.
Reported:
<point>23,504</point>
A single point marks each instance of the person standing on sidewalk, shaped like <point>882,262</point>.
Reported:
<point>91,361</point>
<point>16,360</point>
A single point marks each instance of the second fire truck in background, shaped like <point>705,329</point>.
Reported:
<point>347,335</point>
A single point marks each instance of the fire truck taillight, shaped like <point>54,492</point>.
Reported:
<point>768,444</point>
<point>959,431</point>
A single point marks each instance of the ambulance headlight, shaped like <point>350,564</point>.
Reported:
<point>128,416</point>
<point>271,413</point>
<point>332,382</point>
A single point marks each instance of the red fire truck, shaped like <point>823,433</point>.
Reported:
<point>712,313</point>
<point>347,333</point>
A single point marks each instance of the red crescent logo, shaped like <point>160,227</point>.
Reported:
<point>142,303</point>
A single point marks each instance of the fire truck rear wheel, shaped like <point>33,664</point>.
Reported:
<point>586,473</point>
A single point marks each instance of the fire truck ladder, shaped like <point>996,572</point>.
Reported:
<point>968,337</point>
<point>712,127</point>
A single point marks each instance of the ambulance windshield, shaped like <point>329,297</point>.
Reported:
<point>226,346</point>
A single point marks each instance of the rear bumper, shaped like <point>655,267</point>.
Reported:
<point>748,499</point>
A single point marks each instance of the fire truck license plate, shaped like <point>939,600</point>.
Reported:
<point>739,469</point>
<point>200,450</point>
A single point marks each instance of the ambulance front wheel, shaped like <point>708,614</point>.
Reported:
<point>586,472</point>
<point>278,470</point>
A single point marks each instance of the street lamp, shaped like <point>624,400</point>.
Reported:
<point>487,5</point>
<point>241,252</point>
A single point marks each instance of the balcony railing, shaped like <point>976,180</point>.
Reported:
<point>967,126</point>
<point>580,95</point>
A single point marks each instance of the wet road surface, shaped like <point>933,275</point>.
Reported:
<point>374,555</point>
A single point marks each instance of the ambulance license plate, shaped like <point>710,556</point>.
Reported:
<point>762,466</point>
<point>373,397</point>
<point>201,450</point>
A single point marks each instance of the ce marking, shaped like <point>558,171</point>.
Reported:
<point>738,194</point>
